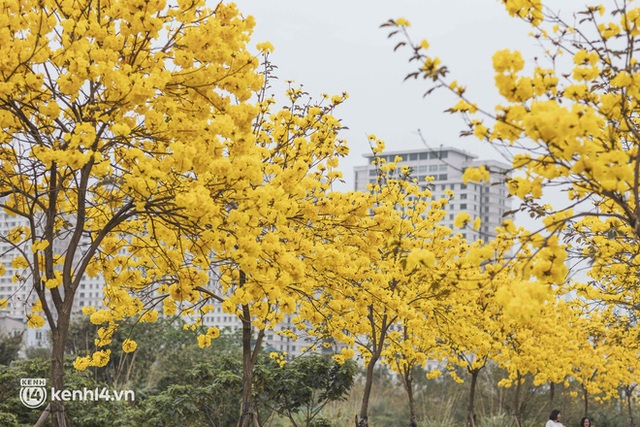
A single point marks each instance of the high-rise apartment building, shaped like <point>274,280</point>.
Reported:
<point>488,201</point>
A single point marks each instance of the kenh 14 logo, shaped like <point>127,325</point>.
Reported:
<point>33,392</point>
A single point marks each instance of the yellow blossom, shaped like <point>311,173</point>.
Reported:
<point>100,358</point>
<point>129,346</point>
<point>35,321</point>
<point>82,363</point>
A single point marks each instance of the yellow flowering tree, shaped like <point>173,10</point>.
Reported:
<point>474,327</point>
<point>270,241</point>
<point>403,265</point>
<point>606,363</point>
<point>112,115</point>
<point>248,232</point>
<point>569,121</point>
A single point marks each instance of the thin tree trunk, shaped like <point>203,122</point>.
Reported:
<point>471,415</point>
<point>517,404</point>
<point>586,401</point>
<point>43,416</point>
<point>628,392</point>
<point>552,393</point>
<point>248,414</point>
<point>58,338</point>
<point>368,385</point>
<point>407,380</point>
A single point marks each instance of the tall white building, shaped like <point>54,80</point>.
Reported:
<point>18,290</point>
<point>488,201</point>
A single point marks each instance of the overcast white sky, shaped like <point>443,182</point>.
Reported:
<point>332,46</point>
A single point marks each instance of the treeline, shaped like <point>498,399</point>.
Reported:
<point>177,383</point>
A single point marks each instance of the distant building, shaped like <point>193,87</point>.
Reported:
<point>31,338</point>
<point>19,290</point>
<point>488,201</point>
<point>21,296</point>
<point>273,341</point>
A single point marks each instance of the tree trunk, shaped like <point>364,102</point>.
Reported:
<point>628,392</point>
<point>517,404</point>
<point>471,415</point>
<point>586,401</point>
<point>407,380</point>
<point>248,414</point>
<point>58,338</point>
<point>368,385</point>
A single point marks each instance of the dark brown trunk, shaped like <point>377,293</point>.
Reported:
<point>471,412</point>
<point>59,339</point>
<point>248,415</point>
<point>368,385</point>
<point>628,392</point>
<point>413,420</point>
<point>552,394</point>
<point>586,401</point>
<point>43,417</point>
<point>407,381</point>
<point>516,403</point>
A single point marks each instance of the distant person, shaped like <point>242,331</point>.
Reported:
<point>585,422</point>
<point>554,419</point>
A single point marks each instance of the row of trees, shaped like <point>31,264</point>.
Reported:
<point>140,144</point>
<point>567,122</point>
<point>178,383</point>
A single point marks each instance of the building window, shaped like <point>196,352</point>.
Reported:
<point>442,177</point>
<point>424,156</point>
<point>463,196</point>
<point>463,206</point>
<point>444,154</point>
<point>442,168</point>
<point>413,156</point>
